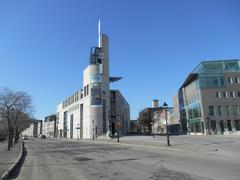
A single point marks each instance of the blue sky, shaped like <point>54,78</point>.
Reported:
<point>154,44</point>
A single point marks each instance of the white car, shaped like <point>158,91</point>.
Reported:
<point>25,137</point>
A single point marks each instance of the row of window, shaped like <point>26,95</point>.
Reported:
<point>229,110</point>
<point>233,80</point>
<point>72,99</point>
<point>225,94</point>
<point>76,96</point>
<point>86,90</point>
<point>192,99</point>
<point>225,124</point>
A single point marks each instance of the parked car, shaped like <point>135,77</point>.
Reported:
<point>42,136</point>
<point>25,137</point>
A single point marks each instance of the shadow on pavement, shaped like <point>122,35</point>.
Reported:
<point>18,168</point>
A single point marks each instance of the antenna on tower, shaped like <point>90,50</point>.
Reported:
<point>99,33</point>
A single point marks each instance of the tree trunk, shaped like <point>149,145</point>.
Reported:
<point>16,136</point>
<point>149,128</point>
<point>11,140</point>
<point>9,136</point>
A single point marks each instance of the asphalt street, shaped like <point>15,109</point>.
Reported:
<point>71,159</point>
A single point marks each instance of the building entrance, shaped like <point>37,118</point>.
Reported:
<point>214,127</point>
<point>113,129</point>
<point>229,124</point>
<point>222,126</point>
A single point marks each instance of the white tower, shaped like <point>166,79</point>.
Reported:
<point>99,33</point>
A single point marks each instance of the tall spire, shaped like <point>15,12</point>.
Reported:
<point>99,33</point>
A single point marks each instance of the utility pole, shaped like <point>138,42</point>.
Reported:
<point>165,107</point>
<point>93,131</point>
<point>118,135</point>
<point>168,141</point>
<point>118,127</point>
<point>96,131</point>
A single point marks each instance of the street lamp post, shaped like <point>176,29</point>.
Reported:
<point>118,127</point>
<point>78,131</point>
<point>96,132</point>
<point>152,129</point>
<point>165,107</point>
<point>118,135</point>
<point>93,130</point>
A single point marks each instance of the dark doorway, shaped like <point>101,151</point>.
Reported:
<point>222,126</point>
<point>113,129</point>
<point>202,127</point>
<point>237,125</point>
<point>61,133</point>
<point>229,124</point>
<point>213,126</point>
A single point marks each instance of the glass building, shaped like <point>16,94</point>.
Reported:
<point>209,98</point>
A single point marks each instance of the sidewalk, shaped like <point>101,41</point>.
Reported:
<point>8,158</point>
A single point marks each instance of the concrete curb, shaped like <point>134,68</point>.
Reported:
<point>11,168</point>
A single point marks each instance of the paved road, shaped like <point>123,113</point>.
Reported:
<point>227,145</point>
<point>66,159</point>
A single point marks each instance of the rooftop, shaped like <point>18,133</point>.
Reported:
<point>218,66</point>
<point>210,73</point>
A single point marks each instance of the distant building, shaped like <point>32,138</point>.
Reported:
<point>155,103</point>
<point>134,126</point>
<point>32,130</point>
<point>160,119</point>
<point>209,98</point>
<point>153,119</point>
<point>175,114</point>
<point>145,119</point>
<point>120,112</point>
<point>40,128</point>
<point>49,126</point>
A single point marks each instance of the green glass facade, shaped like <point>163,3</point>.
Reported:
<point>217,66</point>
<point>208,74</point>
<point>211,73</point>
<point>194,117</point>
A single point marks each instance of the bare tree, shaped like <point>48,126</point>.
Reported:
<point>14,107</point>
<point>20,122</point>
<point>145,118</point>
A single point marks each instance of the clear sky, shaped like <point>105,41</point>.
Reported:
<point>154,44</point>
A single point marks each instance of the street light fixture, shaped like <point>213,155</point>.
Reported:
<point>165,107</point>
